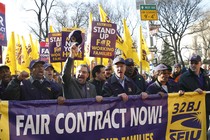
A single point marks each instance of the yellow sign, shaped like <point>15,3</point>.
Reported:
<point>149,15</point>
<point>148,12</point>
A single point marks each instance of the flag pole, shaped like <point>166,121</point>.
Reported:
<point>140,48</point>
<point>101,60</point>
<point>61,66</point>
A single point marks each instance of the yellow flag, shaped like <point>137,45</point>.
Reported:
<point>122,46</point>
<point>127,36</point>
<point>10,56</point>
<point>131,51</point>
<point>105,61</point>
<point>34,48</point>
<point>127,40</point>
<point>25,60</point>
<point>144,51</point>
<point>103,15</point>
<point>105,18</point>
<point>57,66</point>
<point>51,29</point>
<point>18,52</point>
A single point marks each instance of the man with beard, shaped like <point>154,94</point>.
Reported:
<point>37,87</point>
<point>197,80</point>
<point>78,87</point>
<point>119,84</point>
<point>163,85</point>
<point>98,73</point>
<point>5,76</point>
<point>132,73</point>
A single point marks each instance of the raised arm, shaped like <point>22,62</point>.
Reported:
<point>67,70</point>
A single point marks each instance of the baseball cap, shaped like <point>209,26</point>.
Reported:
<point>177,65</point>
<point>195,58</point>
<point>129,62</point>
<point>118,60</point>
<point>33,62</point>
<point>161,67</point>
<point>75,36</point>
<point>47,65</point>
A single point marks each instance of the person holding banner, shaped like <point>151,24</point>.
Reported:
<point>119,84</point>
<point>132,73</point>
<point>197,80</point>
<point>162,84</point>
<point>37,87</point>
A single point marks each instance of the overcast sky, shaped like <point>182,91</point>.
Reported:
<point>16,17</point>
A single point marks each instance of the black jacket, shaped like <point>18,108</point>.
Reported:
<point>139,80</point>
<point>98,85</point>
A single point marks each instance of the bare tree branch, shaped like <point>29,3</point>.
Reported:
<point>176,17</point>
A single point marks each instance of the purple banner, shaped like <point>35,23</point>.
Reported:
<point>3,33</point>
<point>103,39</point>
<point>86,119</point>
<point>44,51</point>
<point>66,44</point>
<point>55,47</point>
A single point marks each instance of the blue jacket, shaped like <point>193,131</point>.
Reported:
<point>155,87</point>
<point>112,87</point>
<point>189,82</point>
<point>32,90</point>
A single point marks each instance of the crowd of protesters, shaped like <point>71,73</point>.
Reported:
<point>117,80</point>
